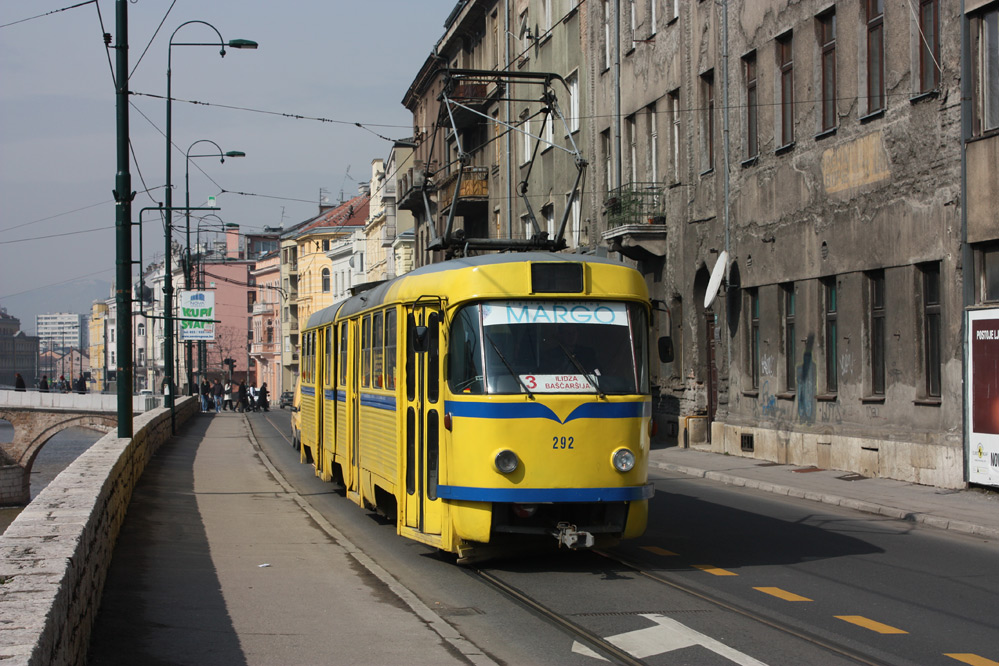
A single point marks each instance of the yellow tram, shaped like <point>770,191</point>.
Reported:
<point>485,401</point>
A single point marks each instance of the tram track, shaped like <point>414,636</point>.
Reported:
<point>813,640</point>
<point>617,654</point>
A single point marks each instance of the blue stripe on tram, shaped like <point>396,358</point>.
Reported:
<point>534,495</point>
<point>536,410</point>
<point>309,391</point>
<point>386,402</point>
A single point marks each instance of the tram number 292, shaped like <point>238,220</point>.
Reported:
<point>562,442</point>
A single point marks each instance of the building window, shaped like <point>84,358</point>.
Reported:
<point>674,121</point>
<point>875,55</point>
<point>788,312</point>
<point>673,7</point>
<point>326,280</point>
<point>574,219</point>
<point>607,34</point>
<point>990,274</point>
<point>785,64</point>
<point>634,21</point>
<point>929,45</point>
<point>753,339</point>
<point>631,137</point>
<point>876,311</point>
<point>707,120</point>
<point>605,149</point>
<point>752,106</point>
<point>985,108</point>
<point>830,323</point>
<point>572,82</point>
<point>827,47</point>
<point>526,129</point>
<point>653,144</point>
<point>140,331</point>
<point>525,221</point>
<point>932,328</point>
<point>652,17</point>
<point>548,213</point>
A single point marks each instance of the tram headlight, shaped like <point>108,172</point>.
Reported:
<point>506,462</point>
<point>623,459</point>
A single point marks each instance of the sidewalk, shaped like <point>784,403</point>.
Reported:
<point>221,561</point>
<point>969,511</point>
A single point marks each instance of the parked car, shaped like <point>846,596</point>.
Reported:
<point>287,397</point>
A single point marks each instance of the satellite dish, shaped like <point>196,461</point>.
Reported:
<point>717,275</point>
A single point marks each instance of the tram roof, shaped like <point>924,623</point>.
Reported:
<point>377,294</point>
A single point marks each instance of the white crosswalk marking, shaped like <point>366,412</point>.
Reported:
<point>667,635</point>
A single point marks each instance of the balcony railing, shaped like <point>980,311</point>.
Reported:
<point>636,203</point>
<point>474,185</point>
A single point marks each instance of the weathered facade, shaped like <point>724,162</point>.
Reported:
<point>818,146</point>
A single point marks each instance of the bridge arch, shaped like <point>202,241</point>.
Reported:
<point>32,429</point>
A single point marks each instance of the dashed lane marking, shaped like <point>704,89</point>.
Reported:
<point>782,594</point>
<point>713,570</point>
<point>868,623</point>
<point>656,550</point>
<point>972,659</point>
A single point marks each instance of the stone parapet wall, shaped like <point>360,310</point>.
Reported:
<point>55,556</point>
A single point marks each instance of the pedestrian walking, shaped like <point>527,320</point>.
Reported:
<point>227,390</point>
<point>206,392</point>
<point>242,396</point>
<point>262,397</point>
<point>19,382</point>
<point>217,395</point>
<point>252,397</point>
<point>44,385</point>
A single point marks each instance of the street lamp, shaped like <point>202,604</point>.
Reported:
<point>168,379</point>
<point>187,214</point>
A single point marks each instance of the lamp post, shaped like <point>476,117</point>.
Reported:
<point>168,379</point>
<point>187,214</point>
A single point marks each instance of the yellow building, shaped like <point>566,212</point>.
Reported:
<point>313,242</point>
<point>98,346</point>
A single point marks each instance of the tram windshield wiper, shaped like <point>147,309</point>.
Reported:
<point>579,366</point>
<point>508,366</point>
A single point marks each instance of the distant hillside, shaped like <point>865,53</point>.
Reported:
<point>76,297</point>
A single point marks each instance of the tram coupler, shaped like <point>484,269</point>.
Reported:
<point>567,535</point>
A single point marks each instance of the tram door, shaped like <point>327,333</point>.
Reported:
<point>350,373</point>
<point>423,406</point>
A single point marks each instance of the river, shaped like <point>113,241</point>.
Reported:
<point>55,456</point>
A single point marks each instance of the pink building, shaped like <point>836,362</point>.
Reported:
<point>265,346</point>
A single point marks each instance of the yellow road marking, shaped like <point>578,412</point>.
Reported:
<point>782,594</point>
<point>659,551</point>
<point>713,570</point>
<point>866,623</point>
<point>972,659</point>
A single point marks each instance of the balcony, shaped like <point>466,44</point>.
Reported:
<point>410,187</point>
<point>474,189</point>
<point>636,220</point>
<point>263,308</point>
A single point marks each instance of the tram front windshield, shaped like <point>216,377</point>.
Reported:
<point>549,347</point>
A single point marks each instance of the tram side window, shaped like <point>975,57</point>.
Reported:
<point>464,358</point>
<point>343,355</point>
<point>366,351</point>
<point>377,351</point>
<point>305,357</point>
<point>390,360</point>
<point>410,359</point>
<point>328,357</point>
<point>433,357</point>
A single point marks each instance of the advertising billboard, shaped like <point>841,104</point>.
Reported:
<point>197,315</point>
<point>983,400</point>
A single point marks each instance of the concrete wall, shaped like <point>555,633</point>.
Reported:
<point>54,557</point>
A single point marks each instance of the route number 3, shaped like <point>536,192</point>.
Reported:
<point>562,442</point>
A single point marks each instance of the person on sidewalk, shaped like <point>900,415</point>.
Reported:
<point>44,385</point>
<point>206,392</point>
<point>19,382</point>
<point>217,395</point>
<point>241,396</point>
<point>227,390</point>
<point>262,397</point>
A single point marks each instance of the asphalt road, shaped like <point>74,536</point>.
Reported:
<point>723,575</point>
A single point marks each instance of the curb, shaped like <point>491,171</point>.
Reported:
<point>885,510</point>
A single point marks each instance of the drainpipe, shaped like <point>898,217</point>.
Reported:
<point>725,148</point>
<point>617,93</point>
<point>967,256</point>
<point>509,120</point>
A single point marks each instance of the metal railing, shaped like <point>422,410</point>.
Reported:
<point>636,203</point>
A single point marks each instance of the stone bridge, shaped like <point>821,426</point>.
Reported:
<point>36,417</point>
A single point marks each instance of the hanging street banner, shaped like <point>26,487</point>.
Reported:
<point>197,315</point>
<point>983,396</point>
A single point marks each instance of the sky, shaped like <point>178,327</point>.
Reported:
<point>346,62</point>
